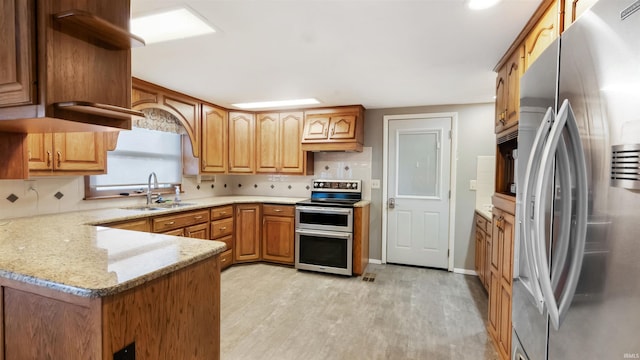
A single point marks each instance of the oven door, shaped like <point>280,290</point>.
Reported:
<point>324,218</point>
<point>324,251</point>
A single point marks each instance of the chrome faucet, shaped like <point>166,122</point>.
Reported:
<point>155,186</point>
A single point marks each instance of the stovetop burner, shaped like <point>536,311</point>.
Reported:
<point>336,193</point>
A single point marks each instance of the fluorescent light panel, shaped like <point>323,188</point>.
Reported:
<point>481,4</point>
<point>279,103</point>
<point>169,25</point>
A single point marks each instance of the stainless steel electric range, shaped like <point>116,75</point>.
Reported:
<point>324,227</point>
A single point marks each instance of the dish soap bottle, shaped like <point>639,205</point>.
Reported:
<point>177,198</point>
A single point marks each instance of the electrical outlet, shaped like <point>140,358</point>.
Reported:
<point>30,185</point>
<point>375,183</point>
<point>473,185</point>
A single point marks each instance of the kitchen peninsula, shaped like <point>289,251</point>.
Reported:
<point>74,291</point>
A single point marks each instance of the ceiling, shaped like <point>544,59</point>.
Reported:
<point>381,54</point>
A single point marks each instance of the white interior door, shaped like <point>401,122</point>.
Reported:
<point>419,161</point>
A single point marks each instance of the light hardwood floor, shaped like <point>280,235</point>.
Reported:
<point>275,312</point>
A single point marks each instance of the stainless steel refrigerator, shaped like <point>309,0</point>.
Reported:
<point>576,288</point>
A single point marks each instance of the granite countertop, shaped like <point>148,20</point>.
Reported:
<point>68,253</point>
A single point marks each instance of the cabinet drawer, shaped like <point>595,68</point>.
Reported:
<point>228,240</point>
<point>164,223</point>
<point>226,259</point>
<point>221,228</point>
<point>481,223</point>
<point>221,212</point>
<point>278,210</point>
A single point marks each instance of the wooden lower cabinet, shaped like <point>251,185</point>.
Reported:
<point>248,218</point>
<point>483,246</point>
<point>41,323</point>
<point>222,229</point>
<point>501,269</point>
<point>135,225</point>
<point>278,231</point>
<point>193,224</point>
<point>361,239</point>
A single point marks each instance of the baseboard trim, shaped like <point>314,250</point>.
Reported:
<point>465,271</point>
<point>375,261</point>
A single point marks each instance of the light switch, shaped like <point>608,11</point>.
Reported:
<point>472,185</point>
<point>375,183</point>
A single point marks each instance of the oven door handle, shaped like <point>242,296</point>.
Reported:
<point>324,210</point>
<point>332,234</point>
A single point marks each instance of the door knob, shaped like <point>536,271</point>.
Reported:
<point>392,203</point>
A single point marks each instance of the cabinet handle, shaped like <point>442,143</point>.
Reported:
<point>223,213</point>
<point>197,217</point>
<point>333,131</point>
<point>170,223</point>
<point>223,228</point>
<point>48,159</point>
<point>326,132</point>
<point>59,158</point>
<point>277,210</point>
<point>223,260</point>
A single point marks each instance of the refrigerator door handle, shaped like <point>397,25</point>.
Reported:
<point>563,179</point>
<point>565,118</point>
<point>531,178</point>
<point>581,210</point>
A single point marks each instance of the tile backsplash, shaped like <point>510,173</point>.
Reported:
<point>64,194</point>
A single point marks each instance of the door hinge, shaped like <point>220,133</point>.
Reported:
<point>448,253</point>
<point>449,134</point>
<point>449,194</point>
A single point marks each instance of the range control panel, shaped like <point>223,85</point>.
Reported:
<point>337,185</point>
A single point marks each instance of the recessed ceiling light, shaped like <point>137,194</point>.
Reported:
<point>481,4</point>
<point>279,103</point>
<point>169,25</point>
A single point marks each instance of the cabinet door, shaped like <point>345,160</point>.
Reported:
<point>494,303</point>
<point>479,254</point>
<point>291,154</point>
<point>501,98</point>
<point>504,323</point>
<point>316,127</point>
<point>40,149</point>
<point>17,58</point>
<point>175,232</point>
<point>247,233</point>
<point>199,231</point>
<point>79,152</point>
<point>514,71</point>
<point>214,140</point>
<point>542,35</point>
<point>506,248</point>
<point>488,246</point>
<point>278,239</point>
<point>575,8</point>
<point>343,127</point>
<point>496,236</point>
<point>268,143</point>
<point>241,142</point>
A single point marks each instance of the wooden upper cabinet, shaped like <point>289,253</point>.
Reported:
<point>187,110</point>
<point>573,9</point>
<point>278,146</point>
<point>501,98</point>
<point>514,72</point>
<point>17,59</point>
<point>268,143</point>
<point>316,127</point>
<point>241,142</point>
<point>214,153</point>
<point>542,35</point>
<point>66,153</point>
<point>508,91</point>
<point>333,129</point>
